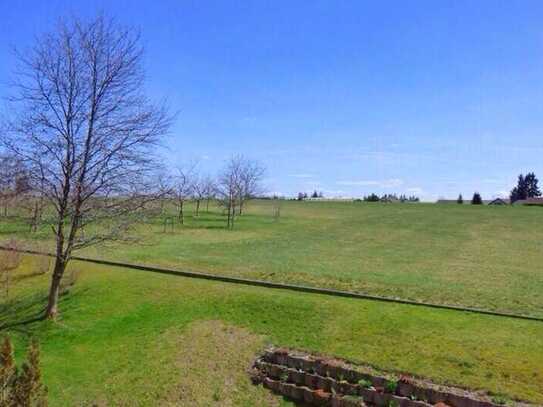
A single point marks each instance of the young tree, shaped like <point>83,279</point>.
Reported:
<point>460,200</point>
<point>85,132</point>
<point>315,194</point>
<point>182,188</point>
<point>209,187</point>
<point>476,200</point>
<point>230,188</point>
<point>198,193</point>
<point>251,174</point>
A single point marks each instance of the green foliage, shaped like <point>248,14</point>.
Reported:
<point>499,399</point>
<point>391,386</point>
<point>365,383</point>
<point>372,198</point>
<point>527,187</point>
<point>21,388</point>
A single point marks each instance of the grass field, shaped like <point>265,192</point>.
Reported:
<point>477,256</point>
<point>136,338</point>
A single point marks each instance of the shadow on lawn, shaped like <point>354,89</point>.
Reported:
<point>17,313</point>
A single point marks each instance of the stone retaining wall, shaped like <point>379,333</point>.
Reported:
<point>324,381</point>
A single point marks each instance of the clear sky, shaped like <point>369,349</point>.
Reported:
<point>348,97</point>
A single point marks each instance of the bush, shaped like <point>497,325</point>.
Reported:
<point>476,200</point>
<point>22,387</point>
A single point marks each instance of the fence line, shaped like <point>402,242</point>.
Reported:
<point>283,286</point>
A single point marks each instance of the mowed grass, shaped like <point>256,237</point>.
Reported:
<point>130,337</point>
<point>477,256</point>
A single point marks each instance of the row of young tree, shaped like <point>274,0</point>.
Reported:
<point>239,181</point>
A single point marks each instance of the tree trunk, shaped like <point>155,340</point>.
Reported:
<point>54,291</point>
<point>229,213</point>
<point>240,205</point>
<point>197,207</point>
<point>207,205</point>
<point>233,213</point>
<point>181,216</point>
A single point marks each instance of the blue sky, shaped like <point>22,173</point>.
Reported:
<point>434,98</point>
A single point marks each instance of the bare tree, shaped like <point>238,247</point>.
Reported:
<point>182,188</point>
<point>12,182</point>
<point>229,188</point>
<point>250,180</point>
<point>86,133</point>
<point>198,192</point>
<point>209,187</point>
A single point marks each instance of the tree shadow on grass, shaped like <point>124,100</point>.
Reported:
<point>22,311</point>
<point>19,314</point>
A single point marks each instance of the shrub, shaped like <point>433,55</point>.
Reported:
<point>391,386</point>
<point>499,399</point>
<point>476,200</point>
<point>21,387</point>
<point>365,383</point>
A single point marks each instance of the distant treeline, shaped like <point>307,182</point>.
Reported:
<point>391,198</point>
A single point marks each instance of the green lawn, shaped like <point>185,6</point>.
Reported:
<point>477,256</point>
<point>130,337</point>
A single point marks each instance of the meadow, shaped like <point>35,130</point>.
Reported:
<point>476,256</point>
<point>129,337</point>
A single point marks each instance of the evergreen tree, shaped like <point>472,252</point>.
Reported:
<point>460,199</point>
<point>371,198</point>
<point>476,200</point>
<point>532,189</point>
<point>521,190</point>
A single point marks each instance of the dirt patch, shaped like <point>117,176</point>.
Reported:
<point>213,359</point>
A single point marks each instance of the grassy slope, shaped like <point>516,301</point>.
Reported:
<point>423,252</point>
<point>488,257</point>
<point>437,253</point>
<point>128,335</point>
